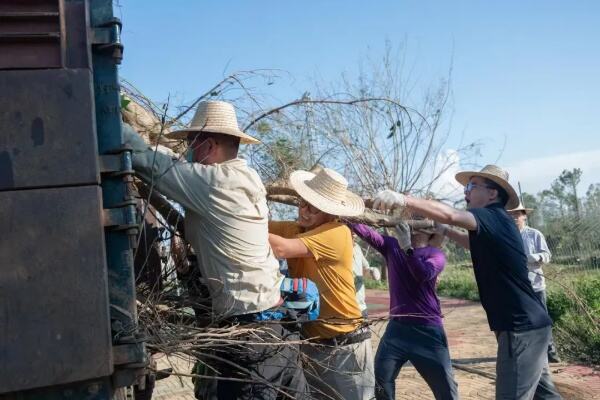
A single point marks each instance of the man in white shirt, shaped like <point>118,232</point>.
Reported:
<point>226,222</point>
<point>538,254</point>
<point>360,267</point>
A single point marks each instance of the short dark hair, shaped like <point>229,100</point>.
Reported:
<point>502,194</point>
<point>221,138</point>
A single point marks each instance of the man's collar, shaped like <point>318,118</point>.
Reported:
<point>235,162</point>
<point>494,205</point>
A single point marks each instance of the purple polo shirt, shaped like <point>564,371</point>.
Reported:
<point>411,278</point>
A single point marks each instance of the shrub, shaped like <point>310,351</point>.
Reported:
<point>458,281</point>
<point>575,308</point>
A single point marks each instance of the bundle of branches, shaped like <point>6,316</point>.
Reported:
<point>371,137</point>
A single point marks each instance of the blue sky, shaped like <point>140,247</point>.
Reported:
<point>526,74</point>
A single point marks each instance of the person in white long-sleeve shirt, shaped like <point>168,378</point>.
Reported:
<point>360,267</point>
<point>538,254</point>
<point>226,222</point>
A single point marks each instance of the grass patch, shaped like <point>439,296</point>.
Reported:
<point>458,281</point>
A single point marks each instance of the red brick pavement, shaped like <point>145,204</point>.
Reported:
<point>472,346</point>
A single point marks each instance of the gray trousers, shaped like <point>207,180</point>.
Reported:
<point>542,296</point>
<point>522,366</point>
<point>340,372</point>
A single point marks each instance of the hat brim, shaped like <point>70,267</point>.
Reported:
<point>513,199</point>
<point>435,239</point>
<point>527,210</point>
<point>182,134</point>
<point>352,206</point>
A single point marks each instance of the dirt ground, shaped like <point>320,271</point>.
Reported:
<point>472,348</point>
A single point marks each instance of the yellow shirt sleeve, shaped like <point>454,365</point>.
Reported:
<point>328,242</point>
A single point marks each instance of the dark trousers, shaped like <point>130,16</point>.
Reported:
<point>426,347</point>
<point>542,296</point>
<point>262,365</point>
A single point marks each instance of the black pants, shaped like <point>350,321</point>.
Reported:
<point>426,348</point>
<point>266,366</point>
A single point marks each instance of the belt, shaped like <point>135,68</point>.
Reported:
<point>356,336</point>
<point>275,313</point>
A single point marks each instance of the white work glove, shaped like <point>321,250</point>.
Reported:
<point>375,273</point>
<point>532,259</point>
<point>403,235</point>
<point>388,199</point>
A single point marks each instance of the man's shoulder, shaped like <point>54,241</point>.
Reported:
<point>329,228</point>
<point>491,213</point>
<point>333,235</point>
<point>236,172</point>
<point>432,252</point>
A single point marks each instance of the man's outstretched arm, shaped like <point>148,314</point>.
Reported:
<point>180,181</point>
<point>435,210</point>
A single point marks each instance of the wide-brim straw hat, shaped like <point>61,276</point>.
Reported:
<point>521,207</point>
<point>495,174</point>
<point>214,117</point>
<point>435,236</point>
<point>327,191</point>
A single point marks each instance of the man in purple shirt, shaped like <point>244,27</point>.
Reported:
<point>415,332</point>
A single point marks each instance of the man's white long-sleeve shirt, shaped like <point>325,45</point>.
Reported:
<point>359,264</point>
<point>226,222</point>
<point>538,253</point>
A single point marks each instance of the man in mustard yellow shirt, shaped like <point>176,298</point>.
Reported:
<point>319,247</point>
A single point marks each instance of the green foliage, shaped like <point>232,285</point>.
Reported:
<point>573,304</point>
<point>559,304</point>
<point>458,281</point>
<point>263,128</point>
<point>124,102</point>
<point>575,308</point>
<point>456,254</point>
<point>373,284</point>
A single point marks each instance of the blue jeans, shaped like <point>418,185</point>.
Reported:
<point>426,347</point>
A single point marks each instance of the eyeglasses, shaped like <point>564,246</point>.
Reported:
<point>470,186</point>
<point>312,209</point>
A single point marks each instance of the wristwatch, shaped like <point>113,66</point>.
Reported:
<point>410,251</point>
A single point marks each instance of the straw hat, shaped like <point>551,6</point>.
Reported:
<point>521,207</point>
<point>495,174</point>
<point>435,236</point>
<point>214,117</point>
<point>328,191</point>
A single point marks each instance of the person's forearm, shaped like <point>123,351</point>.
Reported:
<point>458,237</point>
<point>369,235</point>
<point>171,178</point>
<point>441,212</point>
<point>541,257</point>
<point>545,257</point>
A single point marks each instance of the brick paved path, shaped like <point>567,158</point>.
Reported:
<point>472,348</point>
